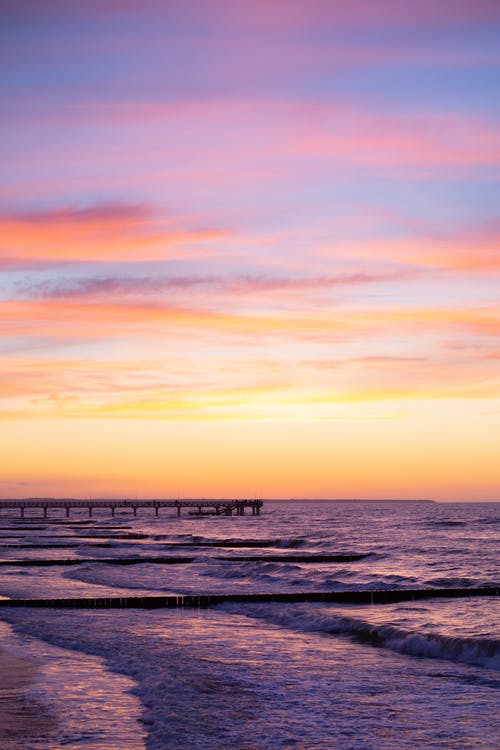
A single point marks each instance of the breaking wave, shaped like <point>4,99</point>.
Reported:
<point>479,651</point>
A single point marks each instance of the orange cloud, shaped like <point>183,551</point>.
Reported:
<point>101,233</point>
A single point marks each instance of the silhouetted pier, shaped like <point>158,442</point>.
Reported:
<point>193,507</point>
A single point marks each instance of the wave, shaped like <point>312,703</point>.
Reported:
<point>266,571</point>
<point>449,582</point>
<point>293,543</point>
<point>237,542</point>
<point>478,651</point>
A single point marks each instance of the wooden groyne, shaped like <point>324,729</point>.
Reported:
<point>202,601</point>
<point>193,507</point>
<point>182,559</point>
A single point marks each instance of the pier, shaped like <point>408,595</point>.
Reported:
<point>193,507</point>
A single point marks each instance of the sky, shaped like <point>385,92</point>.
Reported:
<point>250,248</point>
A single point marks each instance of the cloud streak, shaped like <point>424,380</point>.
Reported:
<point>60,317</point>
<point>240,285</point>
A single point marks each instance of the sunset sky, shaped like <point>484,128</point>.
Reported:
<point>250,248</point>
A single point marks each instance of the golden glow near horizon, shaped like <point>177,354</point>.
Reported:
<point>273,272</point>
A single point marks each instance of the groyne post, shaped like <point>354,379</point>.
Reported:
<point>381,597</point>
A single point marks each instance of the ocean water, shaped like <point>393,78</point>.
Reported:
<point>257,676</point>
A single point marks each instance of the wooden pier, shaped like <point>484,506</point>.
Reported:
<point>193,507</point>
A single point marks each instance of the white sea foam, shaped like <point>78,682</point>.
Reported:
<point>481,650</point>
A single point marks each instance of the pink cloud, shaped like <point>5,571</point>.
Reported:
<point>346,133</point>
<point>281,14</point>
<point>367,139</point>
<point>467,249</point>
<point>222,146</point>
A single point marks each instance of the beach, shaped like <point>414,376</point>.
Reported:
<point>24,722</point>
<point>58,699</point>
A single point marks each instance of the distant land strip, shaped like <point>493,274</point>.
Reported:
<point>171,560</point>
<point>203,601</point>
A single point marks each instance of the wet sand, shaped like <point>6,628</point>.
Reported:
<point>24,723</point>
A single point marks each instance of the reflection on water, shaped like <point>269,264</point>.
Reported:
<point>62,699</point>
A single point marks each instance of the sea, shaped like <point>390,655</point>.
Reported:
<point>413,675</point>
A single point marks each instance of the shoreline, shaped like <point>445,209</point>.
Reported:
<point>23,720</point>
